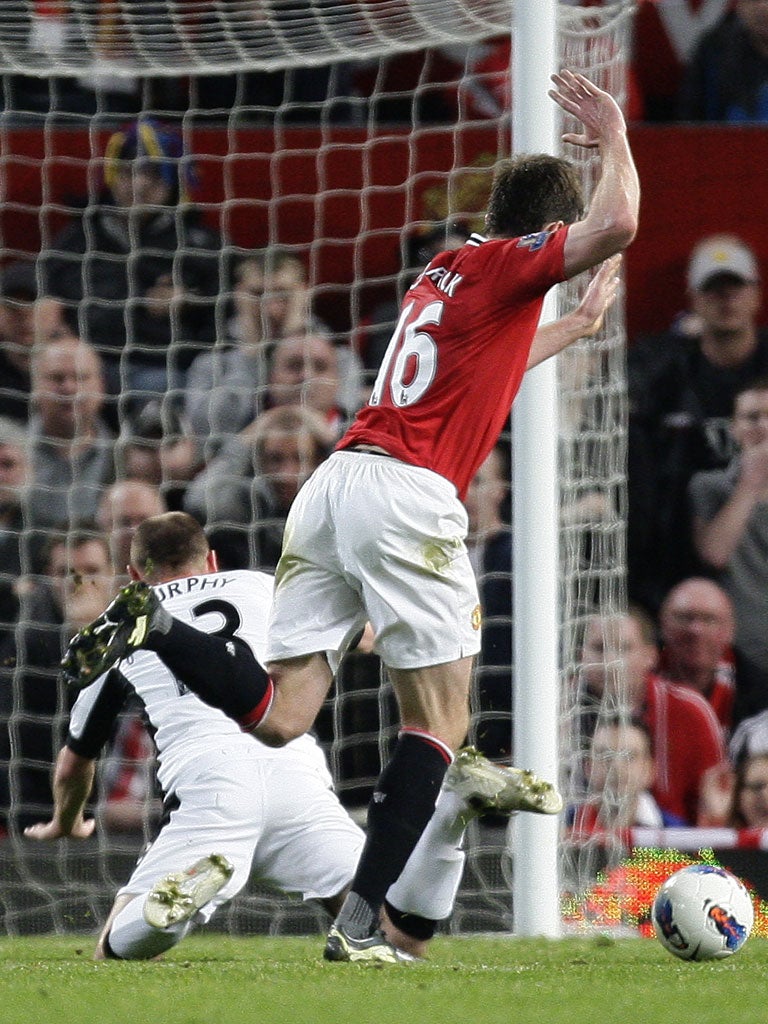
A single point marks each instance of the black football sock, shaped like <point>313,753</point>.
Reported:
<point>422,928</point>
<point>402,804</point>
<point>221,671</point>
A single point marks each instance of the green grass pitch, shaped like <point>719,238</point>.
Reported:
<point>213,979</point>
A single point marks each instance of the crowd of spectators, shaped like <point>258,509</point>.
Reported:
<point>698,426</point>
<point>143,367</point>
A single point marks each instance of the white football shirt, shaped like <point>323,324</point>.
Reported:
<point>186,730</point>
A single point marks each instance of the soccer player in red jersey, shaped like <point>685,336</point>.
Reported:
<point>377,533</point>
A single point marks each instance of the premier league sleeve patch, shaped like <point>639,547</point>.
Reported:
<point>533,242</point>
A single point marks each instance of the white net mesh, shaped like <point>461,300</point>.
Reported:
<point>188,36</point>
<point>592,473</point>
<point>334,144</point>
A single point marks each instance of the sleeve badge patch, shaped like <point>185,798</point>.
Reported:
<point>533,242</point>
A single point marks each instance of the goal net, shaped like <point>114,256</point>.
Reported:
<point>338,144</point>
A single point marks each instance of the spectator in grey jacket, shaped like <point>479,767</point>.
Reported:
<point>224,385</point>
<point>730,527</point>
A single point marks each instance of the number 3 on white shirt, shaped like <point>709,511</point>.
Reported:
<point>409,341</point>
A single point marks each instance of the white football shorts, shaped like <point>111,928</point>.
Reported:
<point>370,538</point>
<point>276,820</point>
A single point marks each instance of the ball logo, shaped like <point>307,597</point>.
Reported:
<point>735,934</point>
<point>670,931</point>
<point>477,617</point>
<point>708,869</point>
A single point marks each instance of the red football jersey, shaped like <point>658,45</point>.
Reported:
<point>722,691</point>
<point>459,352</point>
<point>687,740</point>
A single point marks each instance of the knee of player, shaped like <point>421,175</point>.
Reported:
<point>279,729</point>
<point>293,708</point>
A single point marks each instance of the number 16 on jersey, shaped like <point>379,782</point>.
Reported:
<point>410,363</point>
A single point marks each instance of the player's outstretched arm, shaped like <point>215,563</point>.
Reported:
<point>72,784</point>
<point>611,223</point>
<point>582,322</point>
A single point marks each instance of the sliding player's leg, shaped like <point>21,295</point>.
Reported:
<point>147,924</point>
<point>201,858</point>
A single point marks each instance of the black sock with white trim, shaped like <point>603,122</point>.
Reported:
<point>402,804</point>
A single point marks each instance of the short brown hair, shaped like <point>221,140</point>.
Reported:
<point>168,543</point>
<point>530,192</point>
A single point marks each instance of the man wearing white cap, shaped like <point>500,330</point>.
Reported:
<point>720,260</point>
<point>682,386</point>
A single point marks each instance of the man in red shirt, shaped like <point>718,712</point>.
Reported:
<point>619,656</point>
<point>378,531</point>
<point>697,630</point>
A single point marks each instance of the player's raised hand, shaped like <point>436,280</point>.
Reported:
<point>82,828</point>
<point>599,295</point>
<point>597,110</point>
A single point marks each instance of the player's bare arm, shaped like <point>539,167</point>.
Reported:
<point>582,322</point>
<point>611,223</point>
<point>72,784</point>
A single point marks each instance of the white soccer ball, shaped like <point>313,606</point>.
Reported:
<point>702,912</point>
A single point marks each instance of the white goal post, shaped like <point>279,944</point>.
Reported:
<point>535,549</point>
<point>344,133</point>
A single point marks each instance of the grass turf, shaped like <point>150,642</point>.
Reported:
<point>212,979</point>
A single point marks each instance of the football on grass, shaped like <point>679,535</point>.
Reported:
<point>702,912</point>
